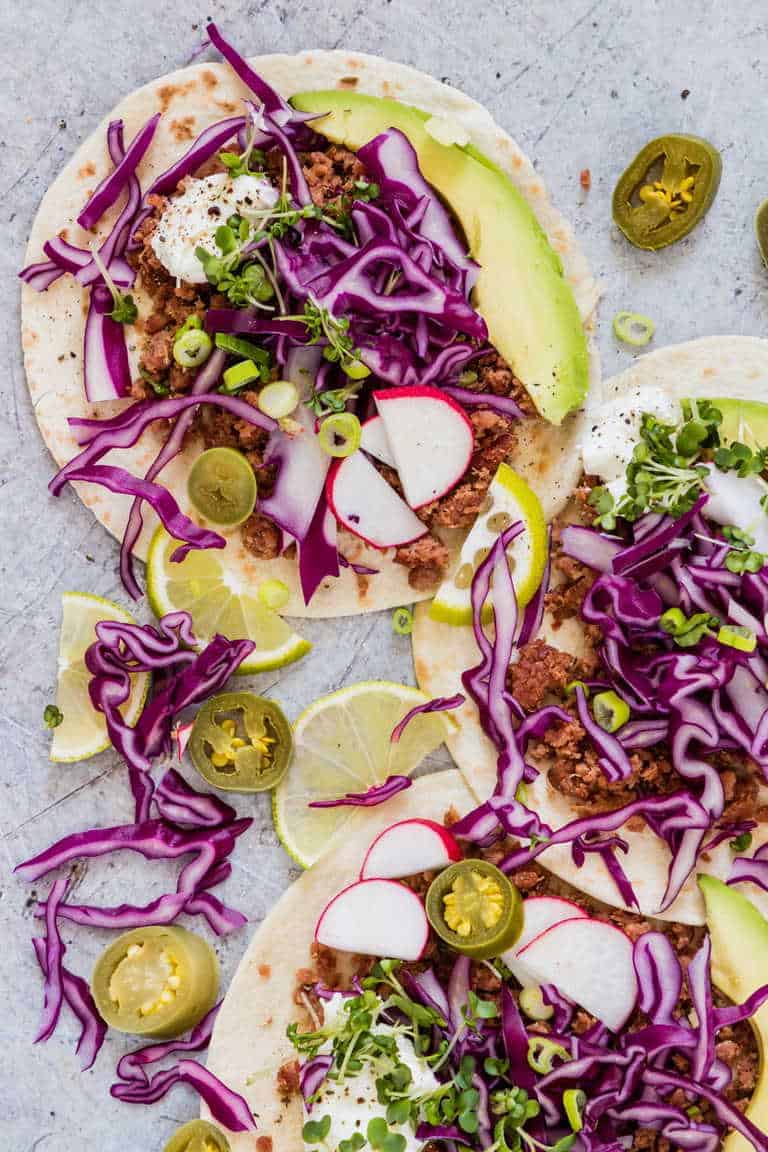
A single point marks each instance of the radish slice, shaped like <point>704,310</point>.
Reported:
<point>375,918</point>
<point>539,913</point>
<point>431,438</point>
<point>373,439</point>
<point>590,962</point>
<point>363,502</point>
<point>408,847</point>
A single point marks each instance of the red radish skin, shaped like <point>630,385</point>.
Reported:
<point>363,502</point>
<point>375,918</point>
<point>590,962</point>
<point>539,913</point>
<point>373,439</point>
<point>409,847</point>
<point>431,437</point>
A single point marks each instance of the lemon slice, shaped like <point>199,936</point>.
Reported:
<point>341,744</point>
<point>510,499</point>
<point>83,731</point>
<point>218,601</point>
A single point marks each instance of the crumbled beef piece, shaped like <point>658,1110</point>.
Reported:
<point>541,670</point>
<point>528,880</point>
<point>263,1144</point>
<point>495,375</point>
<point>494,441</point>
<point>331,174</point>
<point>426,560</point>
<point>451,817</point>
<point>483,980</point>
<point>262,537</point>
<point>288,1079</point>
<point>157,353</point>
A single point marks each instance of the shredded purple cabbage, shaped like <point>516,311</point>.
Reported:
<point>376,794</point>
<point>439,704</point>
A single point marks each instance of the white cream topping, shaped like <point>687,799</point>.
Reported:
<point>352,1103</point>
<point>615,430</point>
<point>192,218</point>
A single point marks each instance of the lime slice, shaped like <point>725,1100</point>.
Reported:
<point>510,499</point>
<point>218,601</point>
<point>341,744</point>
<point>83,731</point>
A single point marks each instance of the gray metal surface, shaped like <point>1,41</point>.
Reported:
<point>580,84</point>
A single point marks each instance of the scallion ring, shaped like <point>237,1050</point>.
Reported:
<point>633,328</point>
<point>192,348</point>
<point>542,1052</point>
<point>402,621</point>
<point>274,594</point>
<point>278,399</point>
<point>533,1005</point>
<point>356,369</point>
<point>574,1101</point>
<point>339,434</point>
<point>610,711</point>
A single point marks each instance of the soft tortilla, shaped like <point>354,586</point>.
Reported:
<point>249,1042</point>
<point>191,99</point>
<point>719,366</point>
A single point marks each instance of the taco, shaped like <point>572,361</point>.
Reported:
<point>527,1016</point>
<point>620,726</point>
<point>378,231</point>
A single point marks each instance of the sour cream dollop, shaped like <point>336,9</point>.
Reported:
<point>191,219</point>
<point>615,430</point>
<point>352,1103</point>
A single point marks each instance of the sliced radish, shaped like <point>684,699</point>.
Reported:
<point>431,438</point>
<point>375,918</point>
<point>363,502</point>
<point>408,847</point>
<point>373,439</point>
<point>539,913</point>
<point>590,962</point>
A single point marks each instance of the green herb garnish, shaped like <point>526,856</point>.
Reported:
<point>52,716</point>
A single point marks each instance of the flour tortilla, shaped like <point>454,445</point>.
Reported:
<point>718,366</point>
<point>249,1042</point>
<point>191,99</point>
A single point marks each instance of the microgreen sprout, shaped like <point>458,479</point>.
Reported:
<point>124,310</point>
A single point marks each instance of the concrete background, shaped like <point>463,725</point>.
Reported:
<point>580,84</point>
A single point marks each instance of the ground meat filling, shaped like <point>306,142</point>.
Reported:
<point>541,675</point>
<point>333,175</point>
<point>736,1046</point>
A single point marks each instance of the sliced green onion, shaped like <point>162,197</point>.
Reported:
<point>610,711</point>
<point>238,346</point>
<point>279,399</point>
<point>402,621</point>
<point>532,1003</point>
<point>572,685</point>
<point>52,716</point>
<point>356,370</point>
<point>738,637</point>
<point>542,1052</point>
<point>192,321</point>
<point>673,621</point>
<point>192,348</point>
<point>339,434</point>
<point>741,843</point>
<point>573,1103</point>
<point>633,328</point>
<point>274,594</point>
<point>239,375</point>
<point>521,793</point>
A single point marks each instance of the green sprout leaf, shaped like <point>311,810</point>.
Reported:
<point>52,716</point>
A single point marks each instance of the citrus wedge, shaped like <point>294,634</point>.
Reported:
<point>341,744</point>
<point>510,499</point>
<point>83,732</point>
<point>218,601</point>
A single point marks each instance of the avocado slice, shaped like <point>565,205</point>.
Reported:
<point>521,292</point>
<point>739,936</point>
<point>743,420</point>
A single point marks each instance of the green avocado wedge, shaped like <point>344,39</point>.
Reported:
<point>743,420</point>
<point>739,936</point>
<point>531,313</point>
